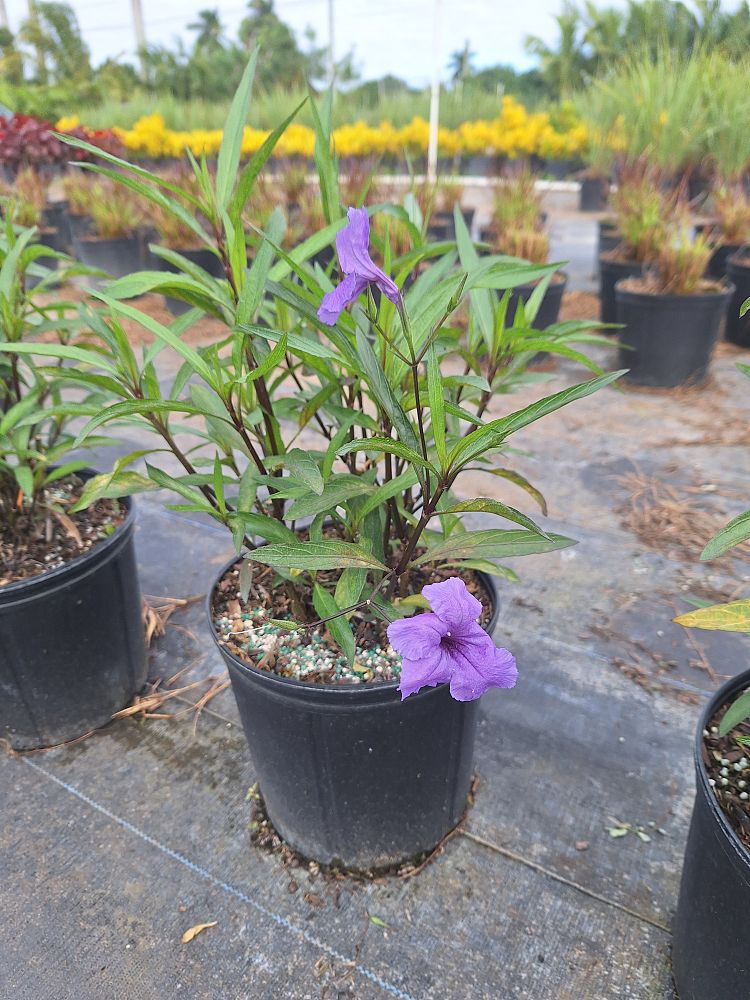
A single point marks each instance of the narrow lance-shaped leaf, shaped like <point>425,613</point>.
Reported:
<point>734,533</point>
<point>339,627</point>
<point>731,617</point>
<point>327,554</point>
<point>231,142</point>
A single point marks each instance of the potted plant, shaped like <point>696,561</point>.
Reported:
<point>642,210</point>
<point>78,190</point>
<point>71,632</point>
<point>330,446</point>
<point>737,329</point>
<point>671,316</point>
<point>112,243</point>
<point>730,228</point>
<point>517,230</point>
<point>712,923</point>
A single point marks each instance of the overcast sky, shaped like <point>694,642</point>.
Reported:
<point>388,36</point>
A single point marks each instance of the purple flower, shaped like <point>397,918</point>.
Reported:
<point>352,244</point>
<point>448,645</point>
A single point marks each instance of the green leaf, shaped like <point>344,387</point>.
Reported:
<point>328,554</point>
<point>383,392</point>
<point>349,587</point>
<point>271,360</point>
<point>485,566</point>
<point>492,544</point>
<point>262,526</point>
<point>437,406</point>
<point>737,712</point>
<point>731,617</point>
<point>256,163</point>
<point>339,628</point>
<point>303,466</point>
<point>495,431</point>
<point>336,492</point>
<point>324,160</point>
<point>64,351</point>
<point>390,488</point>
<point>486,506</point>
<point>163,333</point>
<point>228,159</point>
<point>112,486</point>
<point>734,533</point>
<point>134,407</point>
<point>389,445</point>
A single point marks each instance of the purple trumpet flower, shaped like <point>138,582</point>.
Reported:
<point>352,245</point>
<point>449,646</point>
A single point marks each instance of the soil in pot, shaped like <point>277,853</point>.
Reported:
<point>667,340</point>
<point>203,258</point>
<point>614,265</point>
<point>350,775</point>
<point>737,329</point>
<point>119,256</point>
<point>72,649</point>
<point>710,957</point>
<point>58,539</point>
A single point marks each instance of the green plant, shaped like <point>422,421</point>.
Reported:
<point>79,190</point>
<point>734,616</point>
<point>731,206</point>
<point>35,435</point>
<point>532,246</point>
<point>643,212</point>
<point>517,204</point>
<point>360,428</point>
<point>115,211</point>
<point>681,262</point>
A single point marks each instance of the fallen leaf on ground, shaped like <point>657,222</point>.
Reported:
<point>192,932</point>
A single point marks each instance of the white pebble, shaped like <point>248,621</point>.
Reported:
<point>724,772</point>
<point>743,796</point>
<point>712,783</point>
<point>725,761</point>
<point>742,784</point>
<point>714,729</point>
<point>724,782</point>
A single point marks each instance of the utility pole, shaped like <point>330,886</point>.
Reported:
<point>437,40</point>
<point>140,32</point>
<point>41,65</point>
<point>3,15</point>
<point>331,50</point>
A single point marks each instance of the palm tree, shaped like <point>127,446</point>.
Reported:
<point>564,66</point>
<point>210,30</point>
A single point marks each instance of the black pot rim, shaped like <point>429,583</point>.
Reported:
<point>719,698</point>
<point>740,259</point>
<point>626,295</point>
<point>346,692</point>
<point>49,577</point>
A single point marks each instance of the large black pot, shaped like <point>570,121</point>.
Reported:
<point>737,329</point>
<point>710,954</point>
<point>350,774</point>
<point>667,340</point>
<point>549,310</point>
<point>442,225</point>
<point>72,648</point>
<point>203,258</point>
<point>593,195</point>
<point>118,257</point>
<point>610,272</point>
<point>55,216</point>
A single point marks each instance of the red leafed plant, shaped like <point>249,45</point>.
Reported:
<point>29,141</point>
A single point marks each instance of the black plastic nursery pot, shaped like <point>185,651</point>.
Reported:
<point>717,265</point>
<point>593,195</point>
<point>118,257</point>
<point>737,329</point>
<point>549,310</point>
<point>710,954</point>
<point>608,237</point>
<point>610,272</point>
<point>668,340</point>
<point>351,775</point>
<point>72,648</point>
<point>203,258</point>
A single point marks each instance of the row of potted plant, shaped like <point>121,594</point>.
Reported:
<point>515,132</point>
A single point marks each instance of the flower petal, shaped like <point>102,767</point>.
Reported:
<point>451,601</point>
<point>476,664</point>
<point>333,303</point>
<point>352,242</point>
<point>428,672</point>
<point>416,638</point>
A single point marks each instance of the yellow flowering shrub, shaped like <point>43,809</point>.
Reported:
<point>515,132</point>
